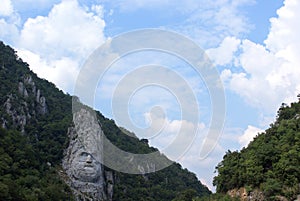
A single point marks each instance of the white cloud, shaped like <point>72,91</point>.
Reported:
<point>257,84</point>
<point>6,8</point>
<point>8,31</point>
<point>284,32</point>
<point>248,135</point>
<point>68,30</point>
<point>63,72</point>
<point>57,44</point>
<point>269,75</point>
<point>98,9</point>
<point>224,54</point>
<point>9,21</point>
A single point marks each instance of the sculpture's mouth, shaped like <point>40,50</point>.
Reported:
<point>89,170</point>
<point>88,166</point>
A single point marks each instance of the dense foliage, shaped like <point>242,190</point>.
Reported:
<point>270,162</point>
<point>22,174</point>
<point>30,160</point>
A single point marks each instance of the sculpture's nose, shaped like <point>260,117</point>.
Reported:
<point>88,159</point>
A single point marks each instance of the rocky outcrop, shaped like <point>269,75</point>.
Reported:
<point>82,162</point>
<point>22,90</point>
<point>239,193</point>
<point>255,195</point>
<point>23,106</point>
<point>19,114</point>
<point>148,167</point>
<point>109,184</point>
<point>243,195</point>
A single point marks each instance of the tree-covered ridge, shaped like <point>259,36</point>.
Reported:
<point>31,159</point>
<point>271,162</point>
<point>47,133</point>
<point>33,142</point>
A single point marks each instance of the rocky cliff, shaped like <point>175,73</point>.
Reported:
<point>27,104</point>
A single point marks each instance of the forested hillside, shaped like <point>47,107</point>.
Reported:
<point>35,117</point>
<point>270,163</point>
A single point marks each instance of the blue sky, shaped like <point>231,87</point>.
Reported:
<point>254,45</point>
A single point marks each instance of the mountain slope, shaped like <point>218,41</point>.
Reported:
<point>36,116</point>
<point>270,163</point>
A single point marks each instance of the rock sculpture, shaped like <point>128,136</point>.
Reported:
<point>82,161</point>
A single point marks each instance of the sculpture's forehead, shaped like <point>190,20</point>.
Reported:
<point>87,128</point>
<point>88,132</point>
<point>90,140</point>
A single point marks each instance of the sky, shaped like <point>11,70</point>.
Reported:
<point>253,44</point>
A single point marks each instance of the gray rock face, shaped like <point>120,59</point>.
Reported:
<point>21,88</point>
<point>18,115</point>
<point>256,196</point>
<point>243,195</point>
<point>4,122</point>
<point>82,161</point>
<point>20,108</point>
<point>42,107</point>
<point>110,184</point>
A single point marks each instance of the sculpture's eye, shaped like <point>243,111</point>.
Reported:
<point>84,154</point>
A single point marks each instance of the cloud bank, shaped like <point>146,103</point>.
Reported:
<point>57,44</point>
<point>265,75</point>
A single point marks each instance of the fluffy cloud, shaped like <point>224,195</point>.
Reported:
<point>261,83</point>
<point>224,54</point>
<point>63,72</point>
<point>284,32</point>
<point>248,135</point>
<point>9,21</point>
<point>68,30</point>
<point>8,31</point>
<point>56,45</point>
<point>6,8</point>
<point>268,74</point>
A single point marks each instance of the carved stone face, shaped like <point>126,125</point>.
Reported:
<point>85,167</point>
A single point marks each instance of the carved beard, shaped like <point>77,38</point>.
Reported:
<point>85,167</point>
